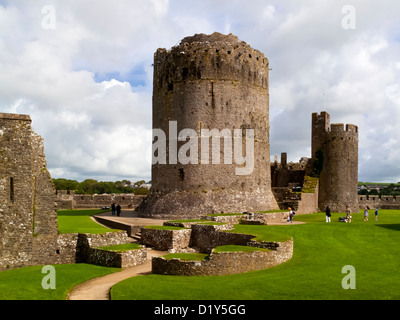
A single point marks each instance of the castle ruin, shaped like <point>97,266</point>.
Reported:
<point>334,162</point>
<point>216,83</point>
<point>211,84</point>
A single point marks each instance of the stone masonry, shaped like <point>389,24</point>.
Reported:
<point>210,82</point>
<point>338,147</point>
<point>28,221</point>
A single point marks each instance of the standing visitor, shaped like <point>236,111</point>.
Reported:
<point>348,214</point>
<point>113,209</point>
<point>366,214</point>
<point>118,210</point>
<point>328,214</point>
<point>376,214</point>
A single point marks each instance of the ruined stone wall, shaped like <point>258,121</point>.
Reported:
<point>16,191</point>
<point>379,202</point>
<point>28,221</point>
<point>286,174</point>
<point>338,181</point>
<point>87,201</point>
<point>225,263</point>
<point>166,239</point>
<point>207,237</point>
<point>210,82</point>
<point>125,259</point>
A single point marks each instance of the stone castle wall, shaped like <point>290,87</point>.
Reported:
<point>28,221</point>
<point>379,202</point>
<point>210,82</point>
<point>87,201</point>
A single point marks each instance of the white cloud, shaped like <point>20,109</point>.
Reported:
<point>88,84</point>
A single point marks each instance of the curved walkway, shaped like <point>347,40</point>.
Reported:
<point>99,288</point>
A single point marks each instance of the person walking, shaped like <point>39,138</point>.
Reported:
<point>376,214</point>
<point>291,215</point>
<point>118,210</point>
<point>348,214</point>
<point>113,209</point>
<point>328,214</point>
<point>366,214</point>
<point>288,216</point>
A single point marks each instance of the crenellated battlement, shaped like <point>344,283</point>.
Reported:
<point>215,57</point>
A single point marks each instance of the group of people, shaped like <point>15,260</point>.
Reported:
<point>366,214</point>
<point>348,214</point>
<point>290,215</point>
<point>115,209</point>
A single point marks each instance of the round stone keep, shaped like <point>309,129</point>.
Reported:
<point>211,101</point>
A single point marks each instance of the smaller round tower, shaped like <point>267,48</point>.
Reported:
<point>338,146</point>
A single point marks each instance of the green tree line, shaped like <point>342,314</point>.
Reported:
<point>91,186</point>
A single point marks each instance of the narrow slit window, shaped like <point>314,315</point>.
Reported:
<point>12,190</point>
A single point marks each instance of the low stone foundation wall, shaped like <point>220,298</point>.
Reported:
<point>225,263</point>
<point>207,237</point>
<point>75,247</point>
<point>131,230</point>
<point>115,259</point>
<point>164,240</point>
<point>226,218</point>
<point>266,218</point>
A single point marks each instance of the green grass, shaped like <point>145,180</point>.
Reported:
<point>79,221</point>
<point>321,250</point>
<point>122,247</point>
<point>26,283</point>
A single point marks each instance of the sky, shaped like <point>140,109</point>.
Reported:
<point>83,71</point>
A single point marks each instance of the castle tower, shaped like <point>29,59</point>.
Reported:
<point>339,175</point>
<point>211,91</point>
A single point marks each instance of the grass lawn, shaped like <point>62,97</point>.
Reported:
<point>26,283</point>
<point>321,250</point>
<point>79,221</point>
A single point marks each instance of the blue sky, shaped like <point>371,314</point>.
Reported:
<point>87,82</point>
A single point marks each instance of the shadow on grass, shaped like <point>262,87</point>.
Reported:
<point>79,213</point>
<point>390,226</point>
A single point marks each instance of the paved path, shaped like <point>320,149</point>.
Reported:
<point>129,217</point>
<point>99,288</point>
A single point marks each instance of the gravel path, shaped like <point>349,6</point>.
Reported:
<point>99,288</point>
